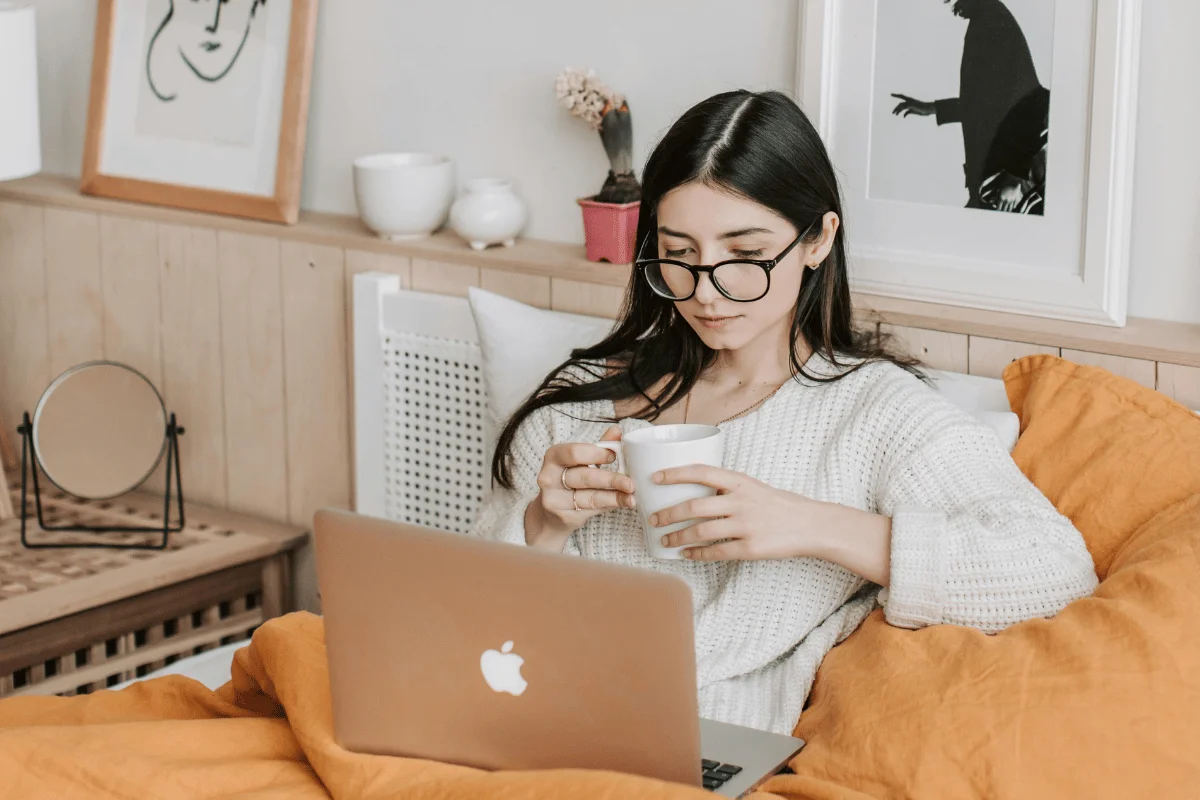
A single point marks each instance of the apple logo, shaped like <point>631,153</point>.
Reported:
<point>502,670</point>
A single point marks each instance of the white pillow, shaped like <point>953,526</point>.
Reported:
<point>983,398</point>
<point>971,391</point>
<point>521,344</point>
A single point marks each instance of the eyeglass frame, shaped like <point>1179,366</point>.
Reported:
<point>642,264</point>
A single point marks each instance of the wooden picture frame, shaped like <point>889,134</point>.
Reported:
<point>282,202</point>
<point>1070,264</point>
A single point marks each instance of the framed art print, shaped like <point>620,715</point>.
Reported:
<point>985,146</point>
<point>201,104</point>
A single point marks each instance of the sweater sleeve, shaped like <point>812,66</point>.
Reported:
<point>502,513</point>
<point>947,110</point>
<point>975,543</point>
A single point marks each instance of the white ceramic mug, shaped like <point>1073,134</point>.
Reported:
<point>643,452</point>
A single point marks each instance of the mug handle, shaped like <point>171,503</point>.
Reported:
<point>616,448</point>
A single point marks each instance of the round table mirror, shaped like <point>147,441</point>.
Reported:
<point>99,429</point>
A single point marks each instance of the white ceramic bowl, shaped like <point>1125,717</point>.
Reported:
<point>404,195</point>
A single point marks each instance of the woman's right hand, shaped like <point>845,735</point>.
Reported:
<point>911,105</point>
<point>573,491</point>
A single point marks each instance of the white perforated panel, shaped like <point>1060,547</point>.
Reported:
<point>434,406</point>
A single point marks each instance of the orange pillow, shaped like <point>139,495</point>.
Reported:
<point>1101,701</point>
<point>1108,452</point>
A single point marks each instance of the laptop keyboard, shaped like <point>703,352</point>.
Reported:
<point>716,773</point>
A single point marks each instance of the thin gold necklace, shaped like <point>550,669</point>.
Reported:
<point>687,405</point>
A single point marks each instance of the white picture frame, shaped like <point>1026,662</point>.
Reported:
<point>1084,276</point>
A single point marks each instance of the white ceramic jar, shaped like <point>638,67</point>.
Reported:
<point>404,195</point>
<point>487,213</point>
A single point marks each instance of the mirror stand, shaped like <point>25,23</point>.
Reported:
<point>29,471</point>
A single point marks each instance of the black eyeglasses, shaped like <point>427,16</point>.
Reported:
<point>742,280</point>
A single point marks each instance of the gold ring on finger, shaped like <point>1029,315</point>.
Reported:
<point>563,478</point>
<point>573,501</point>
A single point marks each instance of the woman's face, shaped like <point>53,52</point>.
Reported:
<point>212,33</point>
<point>699,224</point>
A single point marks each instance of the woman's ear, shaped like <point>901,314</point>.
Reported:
<point>824,245</point>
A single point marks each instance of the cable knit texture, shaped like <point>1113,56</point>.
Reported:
<point>974,543</point>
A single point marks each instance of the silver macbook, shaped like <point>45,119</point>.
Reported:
<point>457,649</point>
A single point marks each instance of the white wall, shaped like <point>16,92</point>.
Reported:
<point>1165,270</point>
<point>474,79</point>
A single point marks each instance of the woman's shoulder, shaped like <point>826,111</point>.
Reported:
<point>861,374</point>
<point>893,401</point>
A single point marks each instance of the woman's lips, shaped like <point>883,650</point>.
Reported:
<point>715,322</point>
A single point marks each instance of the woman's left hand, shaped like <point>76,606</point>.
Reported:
<point>761,522</point>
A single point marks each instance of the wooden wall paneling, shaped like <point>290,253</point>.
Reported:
<point>1133,368</point>
<point>533,290</point>
<point>441,277</point>
<point>592,299</point>
<point>6,502</point>
<point>129,266</point>
<point>318,416</point>
<point>24,354</point>
<point>132,303</point>
<point>989,357</point>
<point>193,382</point>
<point>252,355</point>
<point>10,459</point>
<point>936,349</point>
<point>74,296</point>
<point>1181,383</point>
<point>314,346</point>
<point>358,261</point>
<point>1147,339</point>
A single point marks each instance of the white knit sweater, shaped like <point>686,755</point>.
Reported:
<point>973,541</point>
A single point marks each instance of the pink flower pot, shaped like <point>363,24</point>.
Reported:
<point>609,230</point>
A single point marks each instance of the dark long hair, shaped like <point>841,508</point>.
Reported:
<point>760,146</point>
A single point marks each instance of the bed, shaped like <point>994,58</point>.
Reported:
<point>1092,703</point>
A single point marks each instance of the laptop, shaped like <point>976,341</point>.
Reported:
<point>458,649</point>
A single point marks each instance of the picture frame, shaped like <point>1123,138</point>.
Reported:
<point>1068,260</point>
<point>201,105</point>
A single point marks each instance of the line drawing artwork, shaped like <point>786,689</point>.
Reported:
<point>213,56</point>
<point>203,70</point>
<point>998,102</point>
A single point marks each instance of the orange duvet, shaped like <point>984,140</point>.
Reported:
<point>266,734</point>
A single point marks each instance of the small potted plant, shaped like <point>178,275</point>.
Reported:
<point>610,217</point>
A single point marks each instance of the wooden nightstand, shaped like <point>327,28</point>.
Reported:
<point>76,620</point>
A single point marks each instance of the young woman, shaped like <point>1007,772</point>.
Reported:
<point>847,482</point>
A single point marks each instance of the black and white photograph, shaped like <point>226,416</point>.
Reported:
<point>961,113</point>
<point>940,115</point>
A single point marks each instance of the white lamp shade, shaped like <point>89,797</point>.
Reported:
<point>20,134</point>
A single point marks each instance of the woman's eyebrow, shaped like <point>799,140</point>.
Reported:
<point>729,235</point>
<point>669,232</point>
<point>743,232</point>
